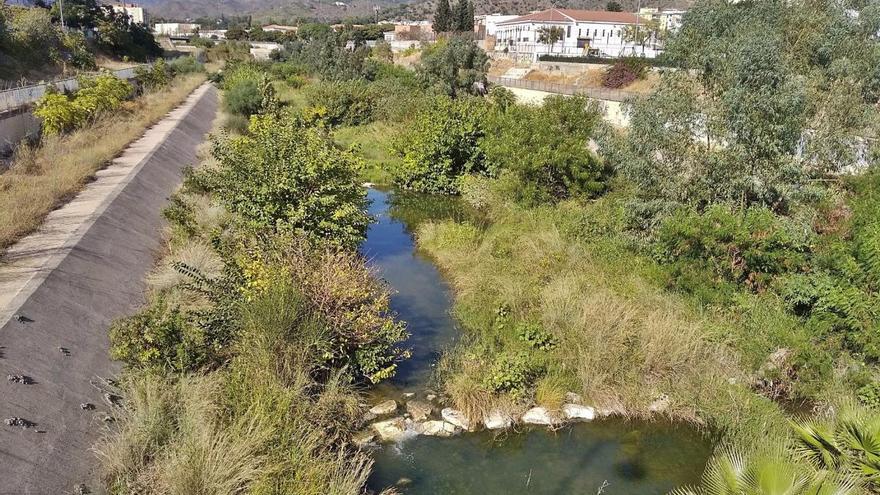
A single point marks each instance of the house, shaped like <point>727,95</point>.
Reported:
<point>174,28</point>
<point>668,20</point>
<point>584,32</point>
<point>410,31</point>
<point>277,28</point>
<point>136,13</point>
<point>487,25</point>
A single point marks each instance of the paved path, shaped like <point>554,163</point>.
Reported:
<point>82,269</point>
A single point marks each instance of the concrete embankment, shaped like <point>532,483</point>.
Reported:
<point>61,287</point>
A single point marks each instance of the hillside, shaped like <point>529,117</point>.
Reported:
<point>328,10</point>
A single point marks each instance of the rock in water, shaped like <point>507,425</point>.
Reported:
<point>363,438</point>
<point>390,430</point>
<point>419,410</point>
<point>577,412</point>
<point>384,407</point>
<point>436,428</point>
<point>457,418</point>
<point>539,416</point>
<point>497,420</point>
<point>573,398</point>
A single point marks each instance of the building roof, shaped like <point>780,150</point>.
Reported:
<point>572,15</point>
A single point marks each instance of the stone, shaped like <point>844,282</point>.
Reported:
<point>363,438</point>
<point>577,412</point>
<point>390,430</point>
<point>384,407</point>
<point>419,410</point>
<point>457,418</point>
<point>660,404</point>
<point>431,397</point>
<point>573,398</point>
<point>436,428</point>
<point>409,395</point>
<point>539,416</point>
<point>497,420</point>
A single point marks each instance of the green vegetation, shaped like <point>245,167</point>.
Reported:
<point>717,262</point>
<point>261,321</point>
<point>33,41</point>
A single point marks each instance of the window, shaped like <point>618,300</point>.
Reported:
<point>595,33</point>
<point>568,32</point>
<point>603,33</point>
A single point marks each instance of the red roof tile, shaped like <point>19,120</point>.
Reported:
<point>569,15</point>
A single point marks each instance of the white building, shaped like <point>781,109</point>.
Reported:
<point>174,28</point>
<point>487,25</point>
<point>134,12</point>
<point>585,32</point>
<point>669,20</point>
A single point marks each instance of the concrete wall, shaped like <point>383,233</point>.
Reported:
<point>612,111</point>
<point>16,120</point>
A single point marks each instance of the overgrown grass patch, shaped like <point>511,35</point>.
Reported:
<point>597,323</point>
<point>372,142</point>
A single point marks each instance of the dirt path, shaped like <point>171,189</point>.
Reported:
<point>61,287</point>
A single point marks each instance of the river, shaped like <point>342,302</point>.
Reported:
<point>607,456</point>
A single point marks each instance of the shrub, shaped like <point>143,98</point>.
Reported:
<point>513,373</point>
<point>157,76</point>
<point>243,98</point>
<point>748,246</point>
<point>545,148</point>
<point>535,336</point>
<point>159,336</point>
<point>103,93</point>
<point>57,113</point>
<point>185,65</point>
<point>624,72</point>
<point>453,66</point>
<point>288,178</point>
<point>441,145</point>
<point>346,102</point>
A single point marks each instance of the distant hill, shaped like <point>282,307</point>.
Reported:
<point>268,10</point>
<point>336,10</point>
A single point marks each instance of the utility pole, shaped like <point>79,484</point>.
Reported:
<point>639,18</point>
<point>61,11</point>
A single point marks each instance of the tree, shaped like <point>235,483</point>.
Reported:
<point>443,20</point>
<point>454,66</point>
<point>287,178</point>
<point>441,145</point>
<point>463,17</point>
<point>549,35</point>
<point>545,148</point>
<point>613,6</point>
<point>647,30</point>
<point>236,33</point>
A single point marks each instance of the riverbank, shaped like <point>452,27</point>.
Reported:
<point>43,177</point>
<point>67,283</point>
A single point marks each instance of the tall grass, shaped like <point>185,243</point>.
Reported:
<point>620,341</point>
<point>42,178</point>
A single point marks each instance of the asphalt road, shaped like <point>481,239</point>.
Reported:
<point>61,342</point>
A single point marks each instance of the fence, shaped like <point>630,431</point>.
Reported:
<point>564,89</point>
<point>13,99</point>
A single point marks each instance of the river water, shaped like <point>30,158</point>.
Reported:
<point>608,456</point>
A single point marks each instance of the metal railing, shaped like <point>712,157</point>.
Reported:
<point>564,89</point>
<point>13,99</point>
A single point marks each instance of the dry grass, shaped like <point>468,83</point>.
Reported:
<point>43,178</point>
